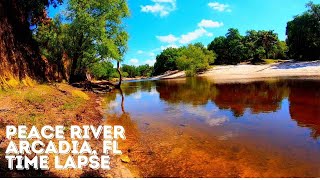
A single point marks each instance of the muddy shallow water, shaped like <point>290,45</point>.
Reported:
<point>197,128</point>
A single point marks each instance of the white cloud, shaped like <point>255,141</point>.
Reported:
<point>152,54</point>
<point>191,36</point>
<point>209,34</point>
<point>140,52</point>
<point>210,117</point>
<point>216,121</point>
<point>220,7</point>
<point>137,95</point>
<point>209,24</point>
<point>160,7</point>
<point>134,61</point>
<point>150,62</point>
<point>168,39</point>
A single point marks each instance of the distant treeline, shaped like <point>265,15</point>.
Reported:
<point>105,70</point>
<point>302,43</point>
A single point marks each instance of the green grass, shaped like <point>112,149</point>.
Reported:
<point>271,61</point>
<point>34,97</point>
<point>74,104</point>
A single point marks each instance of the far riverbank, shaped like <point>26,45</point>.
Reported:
<point>248,71</point>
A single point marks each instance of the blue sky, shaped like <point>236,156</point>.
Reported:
<point>157,24</point>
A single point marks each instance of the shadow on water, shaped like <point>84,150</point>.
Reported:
<point>290,65</point>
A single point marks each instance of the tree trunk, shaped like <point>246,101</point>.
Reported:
<point>72,78</point>
<point>118,86</point>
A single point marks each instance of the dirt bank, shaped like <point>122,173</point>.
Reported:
<point>58,104</point>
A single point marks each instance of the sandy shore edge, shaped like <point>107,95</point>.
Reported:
<point>245,72</point>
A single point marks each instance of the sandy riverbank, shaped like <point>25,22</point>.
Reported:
<point>244,72</point>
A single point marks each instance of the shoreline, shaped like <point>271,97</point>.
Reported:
<point>56,104</point>
<point>222,73</point>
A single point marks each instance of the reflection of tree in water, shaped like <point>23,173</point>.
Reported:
<point>258,96</point>
<point>189,91</point>
<point>122,118</point>
<point>129,88</point>
<point>305,105</point>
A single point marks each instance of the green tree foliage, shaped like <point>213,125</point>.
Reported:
<point>234,48</point>
<point>303,34</point>
<point>137,71</point>
<point>230,49</point>
<point>281,50</point>
<point>130,69</point>
<point>145,70</point>
<point>103,70</point>
<point>264,44</point>
<point>166,61</point>
<point>219,46</point>
<point>95,33</point>
<point>51,38</point>
<point>194,59</point>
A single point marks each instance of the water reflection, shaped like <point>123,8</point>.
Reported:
<point>305,105</point>
<point>250,129</point>
<point>257,96</point>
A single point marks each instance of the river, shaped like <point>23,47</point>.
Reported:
<point>195,127</point>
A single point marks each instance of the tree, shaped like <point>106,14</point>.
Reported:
<point>166,61</point>
<point>218,45</point>
<point>194,59</point>
<point>95,33</point>
<point>263,44</point>
<point>102,70</point>
<point>50,37</point>
<point>236,48</point>
<point>281,50</point>
<point>268,40</point>
<point>130,69</point>
<point>303,34</point>
<point>230,49</point>
<point>145,70</point>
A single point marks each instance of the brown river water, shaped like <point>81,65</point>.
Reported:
<point>197,128</point>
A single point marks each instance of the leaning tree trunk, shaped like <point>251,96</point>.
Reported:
<point>118,86</point>
<point>19,53</point>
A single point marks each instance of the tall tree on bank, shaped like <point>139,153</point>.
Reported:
<point>95,33</point>
<point>303,34</point>
<point>19,54</point>
<point>230,49</point>
<point>269,40</point>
